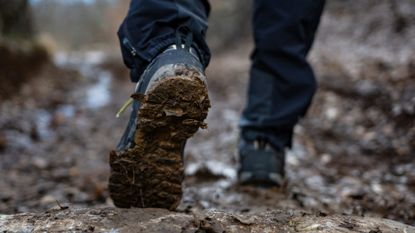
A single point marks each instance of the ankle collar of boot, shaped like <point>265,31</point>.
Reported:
<point>183,46</point>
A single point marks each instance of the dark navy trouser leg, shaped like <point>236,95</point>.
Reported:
<point>282,82</point>
<point>151,26</point>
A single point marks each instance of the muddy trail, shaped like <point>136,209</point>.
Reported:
<point>352,155</point>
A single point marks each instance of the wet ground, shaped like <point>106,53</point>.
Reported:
<point>213,221</point>
<point>353,154</point>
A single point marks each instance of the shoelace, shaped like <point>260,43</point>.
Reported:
<point>188,41</point>
<point>124,107</point>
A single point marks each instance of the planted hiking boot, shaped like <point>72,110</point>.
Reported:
<point>170,104</point>
<point>260,164</point>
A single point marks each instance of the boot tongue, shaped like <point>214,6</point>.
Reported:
<point>260,144</point>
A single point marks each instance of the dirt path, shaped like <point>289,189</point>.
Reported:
<point>353,155</point>
<point>159,220</point>
<point>57,151</point>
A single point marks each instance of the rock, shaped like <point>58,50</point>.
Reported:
<point>160,220</point>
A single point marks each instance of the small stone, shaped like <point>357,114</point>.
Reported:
<point>47,199</point>
<point>40,162</point>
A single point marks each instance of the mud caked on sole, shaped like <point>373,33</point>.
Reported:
<point>150,174</point>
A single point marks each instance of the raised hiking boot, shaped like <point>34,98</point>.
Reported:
<point>170,104</point>
<point>260,164</point>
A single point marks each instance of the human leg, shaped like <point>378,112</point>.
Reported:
<point>282,82</point>
<point>163,45</point>
<point>151,26</point>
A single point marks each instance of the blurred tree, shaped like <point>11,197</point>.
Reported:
<point>15,19</point>
<point>21,56</point>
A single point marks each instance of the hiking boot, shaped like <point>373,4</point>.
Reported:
<point>170,104</point>
<point>260,164</point>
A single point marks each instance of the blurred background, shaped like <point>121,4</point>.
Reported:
<point>62,81</point>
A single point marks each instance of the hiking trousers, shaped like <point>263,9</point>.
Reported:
<point>281,83</point>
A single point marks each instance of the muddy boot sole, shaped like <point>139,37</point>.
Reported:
<point>151,173</point>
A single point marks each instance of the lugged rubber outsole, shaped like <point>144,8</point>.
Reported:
<point>151,173</point>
